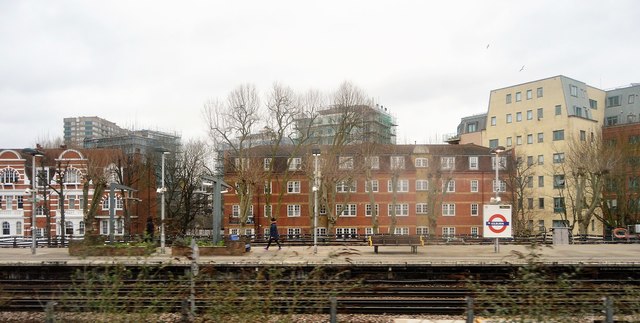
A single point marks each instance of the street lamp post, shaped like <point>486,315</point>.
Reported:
<point>316,154</point>
<point>162,191</point>
<point>496,151</point>
<point>34,153</point>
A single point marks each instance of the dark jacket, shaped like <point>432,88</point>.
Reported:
<point>273,231</point>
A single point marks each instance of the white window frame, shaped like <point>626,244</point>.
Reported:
<point>373,162</point>
<point>295,163</point>
<point>267,210</point>
<point>447,162</point>
<point>422,185</point>
<point>367,210</point>
<point>42,176</point>
<point>503,185</point>
<point>448,231</point>
<point>293,210</point>
<point>424,231</point>
<point>235,210</point>
<point>448,209</point>
<point>119,203</point>
<point>475,209</point>
<point>402,186</point>
<point>267,187</point>
<point>348,232</point>
<point>397,162</point>
<point>450,186</point>
<point>266,163</point>
<point>293,187</point>
<point>422,208</point>
<point>422,162</point>
<point>473,162</point>
<point>346,187</point>
<point>402,231</point>
<point>345,162</point>
<point>371,186</point>
<point>72,176</point>
<point>293,233</point>
<point>402,209</point>
<point>474,185</point>
<point>348,210</point>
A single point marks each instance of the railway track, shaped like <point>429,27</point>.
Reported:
<point>292,296</point>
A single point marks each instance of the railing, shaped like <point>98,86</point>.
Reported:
<point>326,240</point>
<point>26,242</point>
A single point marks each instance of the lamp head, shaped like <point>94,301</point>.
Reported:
<point>497,150</point>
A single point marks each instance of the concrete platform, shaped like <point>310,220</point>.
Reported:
<point>628,254</point>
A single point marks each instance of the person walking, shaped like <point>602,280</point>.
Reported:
<point>273,234</point>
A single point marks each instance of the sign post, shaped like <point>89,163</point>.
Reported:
<point>497,223</point>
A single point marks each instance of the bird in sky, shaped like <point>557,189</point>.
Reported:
<point>521,69</point>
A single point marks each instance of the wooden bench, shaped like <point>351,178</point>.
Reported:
<point>396,240</point>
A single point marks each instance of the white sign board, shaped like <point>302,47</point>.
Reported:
<point>497,221</point>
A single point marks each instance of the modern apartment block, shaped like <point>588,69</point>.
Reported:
<point>79,129</point>
<point>373,124</point>
<point>143,142</point>
<point>538,120</point>
<point>437,190</point>
<point>623,106</point>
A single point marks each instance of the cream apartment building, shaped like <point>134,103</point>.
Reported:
<point>538,120</point>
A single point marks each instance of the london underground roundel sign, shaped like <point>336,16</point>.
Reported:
<point>497,221</point>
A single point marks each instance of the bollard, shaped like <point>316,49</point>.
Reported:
<point>49,313</point>
<point>470,309</point>
<point>608,309</point>
<point>186,314</point>
<point>334,309</point>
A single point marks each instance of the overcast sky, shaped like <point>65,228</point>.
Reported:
<point>153,64</point>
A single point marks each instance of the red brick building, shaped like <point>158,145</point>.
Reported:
<point>622,192</point>
<point>435,190</point>
<point>76,167</point>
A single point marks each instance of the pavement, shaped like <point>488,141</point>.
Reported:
<point>614,254</point>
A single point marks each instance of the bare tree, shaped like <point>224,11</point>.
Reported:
<point>231,125</point>
<point>58,186</point>
<point>126,171</point>
<point>94,184</point>
<point>580,180</point>
<point>519,184</point>
<point>48,142</point>
<point>285,111</point>
<point>186,174</point>
<point>369,154</point>
<point>438,179</point>
<point>348,102</point>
